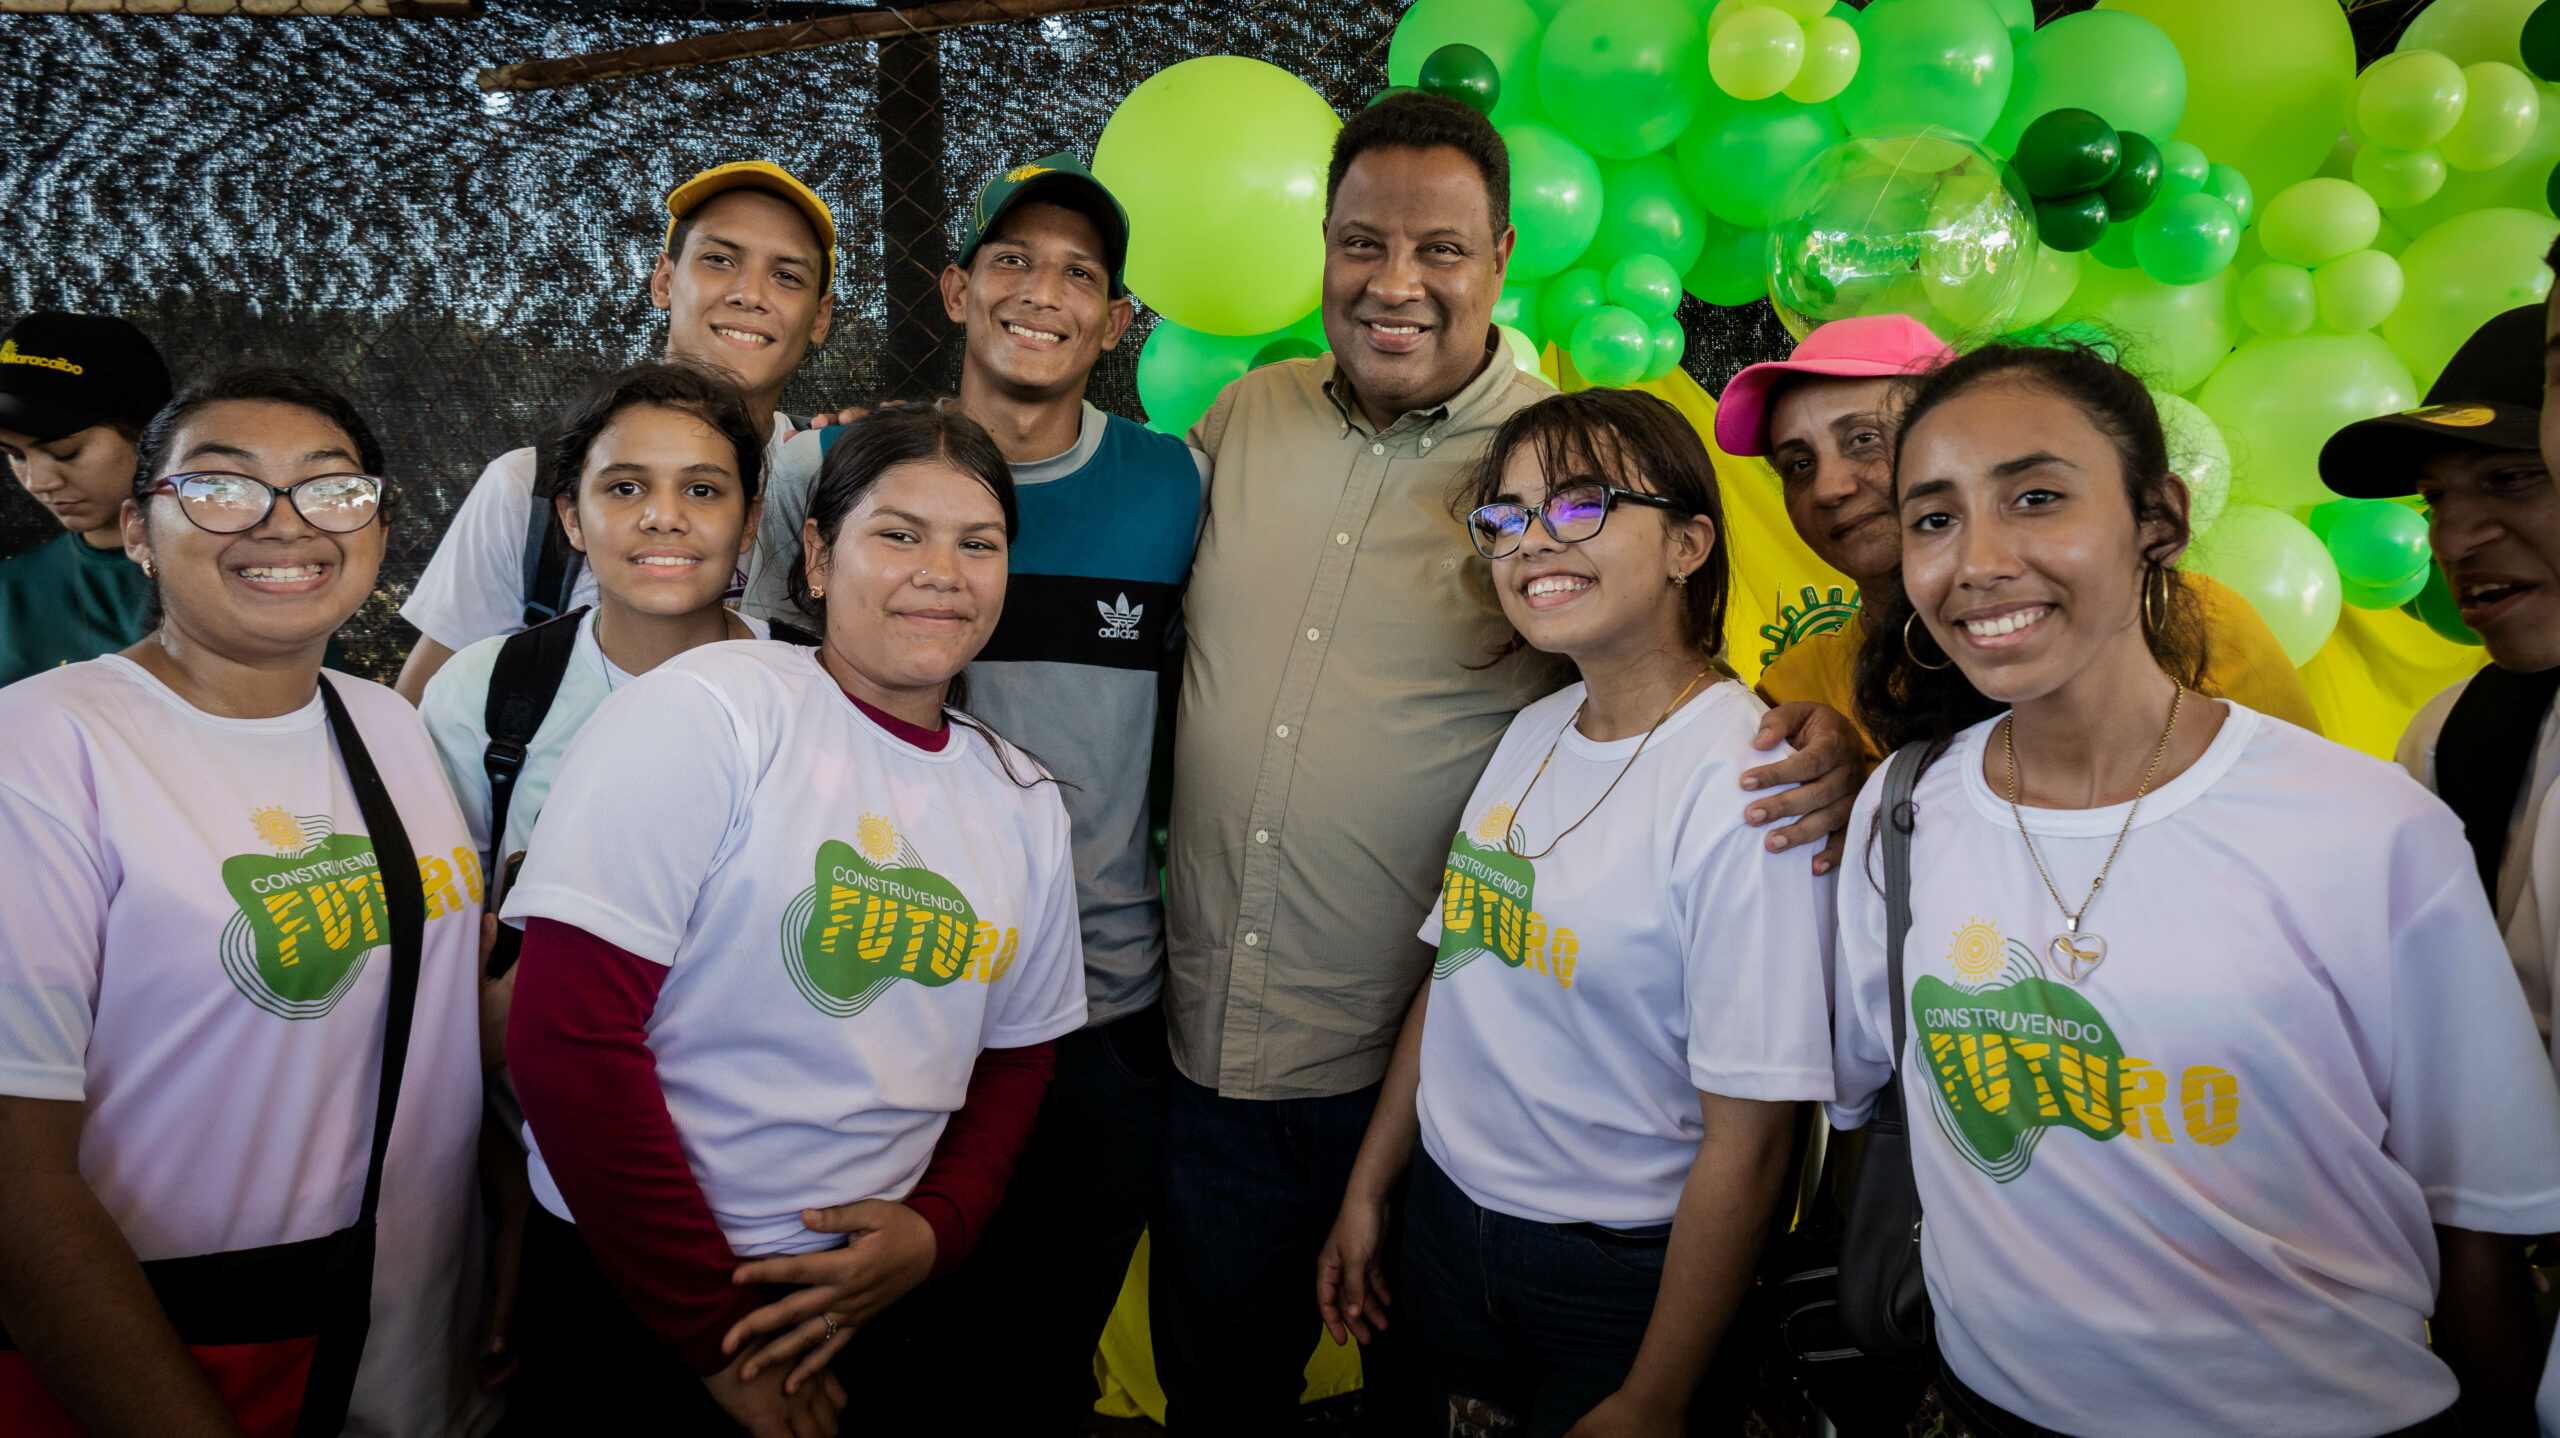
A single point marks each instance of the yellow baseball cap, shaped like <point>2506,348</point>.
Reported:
<point>762,175</point>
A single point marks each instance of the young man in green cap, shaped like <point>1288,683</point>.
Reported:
<point>75,392</point>
<point>1075,673</point>
<point>747,280</point>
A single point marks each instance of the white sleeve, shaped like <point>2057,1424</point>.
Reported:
<point>1042,996</point>
<point>785,508</point>
<point>1757,929</point>
<point>456,701</point>
<point>473,586</point>
<point>2470,1107</point>
<point>2417,749</point>
<point>627,861</point>
<point>51,948</point>
<point>1862,1019</point>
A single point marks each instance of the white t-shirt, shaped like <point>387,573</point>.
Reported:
<point>473,586</point>
<point>849,920</point>
<point>2193,1193</point>
<point>1582,1000</point>
<point>456,709</point>
<point>195,951</point>
<point>2528,901</point>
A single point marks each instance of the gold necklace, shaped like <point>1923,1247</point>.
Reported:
<point>2076,953</point>
<point>1613,784</point>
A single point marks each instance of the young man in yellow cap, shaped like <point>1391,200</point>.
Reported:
<point>747,280</point>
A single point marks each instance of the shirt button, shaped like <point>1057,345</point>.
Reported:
<point>1313,635</point>
<point>1342,539</point>
<point>1262,836</point>
<point>1282,731</point>
<point>1252,940</point>
<point>1377,449</point>
<point>1426,441</point>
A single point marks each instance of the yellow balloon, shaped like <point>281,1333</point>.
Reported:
<point>1756,53</point>
<point>2267,80</point>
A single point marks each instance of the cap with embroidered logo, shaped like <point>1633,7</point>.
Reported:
<point>62,373</point>
<point>2490,395</point>
<point>1056,180</point>
<point>774,180</point>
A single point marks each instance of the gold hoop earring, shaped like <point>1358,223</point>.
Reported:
<point>2151,622</point>
<point>1913,654</point>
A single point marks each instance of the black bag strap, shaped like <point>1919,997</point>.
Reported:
<point>2484,753</point>
<point>551,563</point>
<point>404,898</point>
<point>522,685</point>
<point>1901,779</point>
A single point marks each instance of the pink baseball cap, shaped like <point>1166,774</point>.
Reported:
<point>1860,348</point>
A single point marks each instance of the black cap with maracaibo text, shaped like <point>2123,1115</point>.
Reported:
<point>60,374</point>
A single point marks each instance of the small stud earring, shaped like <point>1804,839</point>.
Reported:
<point>1679,581</point>
<point>817,591</point>
<point>147,571</point>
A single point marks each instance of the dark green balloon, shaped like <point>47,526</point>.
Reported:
<point>1391,90</point>
<point>2137,177</point>
<point>2551,187</point>
<point>2541,41</point>
<point>2072,222</point>
<point>2435,605</point>
<point>1287,347</point>
<point>2066,152</point>
<point>1463,73</point>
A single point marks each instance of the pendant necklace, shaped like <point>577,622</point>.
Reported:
<point>1613,784</point>
<point>2075,951</point>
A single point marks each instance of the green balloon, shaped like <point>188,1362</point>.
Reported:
<point>2383,596</point>
<point>1919,225</point>
<point>1644,209</point>
<point>2379,543</point>
<point>2049,285</point>
<point>2460,275</point>
<point>2272,561</point>
<point>2408,100</point>
<point>1390,93</point>
<point>1669,344</point>
<point>2521,182</point>
<point>1612,347</point>
<point>2172,335</point>
<point>2280,399</point>
<point>1463,73</point>
<point>2469,30</point>
<point>1732,267</point>
<point>2114,249</point>
<point>2187,240</point>
<point>1517,306</point>
<point>2278,299</point>
<point>2071,223</point>
<point>2318,220</point>
<point>2121,66</point>
<point>2137,176</point>
<point>1928,62</point>
<point>1287,347</point>
<point>1555,199</point>
<point>2183,169</point>
<point>1646,284</point>
<point>1739,156</point>
<point>2018,17</point>
<point>1566,299</point>
<point>2436,607</point>
<point>1181,370</point>
<point>2232,188</point>
<point>2199,455</point>
<point>1505,31</point>
<point>1623,77</point>
<point>2066,152</point>
<point>2358,291</point>
<point>2497,121</point>
<point>2267,80</point>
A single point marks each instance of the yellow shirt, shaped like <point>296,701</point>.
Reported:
<point>2243,663</point>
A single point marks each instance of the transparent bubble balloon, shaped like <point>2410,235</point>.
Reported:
<point>1916,223</point>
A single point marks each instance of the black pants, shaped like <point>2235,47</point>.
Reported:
<point>1986,1419</point>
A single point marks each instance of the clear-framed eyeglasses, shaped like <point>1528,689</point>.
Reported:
<point>1571,515</point>
<point>219,502</point>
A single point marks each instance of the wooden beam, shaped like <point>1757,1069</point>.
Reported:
<point>260,9</point>
<point>777,40</point>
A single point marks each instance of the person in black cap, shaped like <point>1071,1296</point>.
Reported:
<point>2489,746</point>
<point>75,393</point>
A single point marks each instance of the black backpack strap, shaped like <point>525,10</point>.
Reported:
<point>522,685</point>
<point>2484,753</point>
<point>1901,780</point>
<point>551,563</point>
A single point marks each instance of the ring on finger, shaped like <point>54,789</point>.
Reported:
<point>831,1324</point>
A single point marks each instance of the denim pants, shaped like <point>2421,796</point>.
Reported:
<point>1251,1188</point>
<point>1519,1328</point>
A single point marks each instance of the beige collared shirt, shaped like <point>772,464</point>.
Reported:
<point>1330,727</point>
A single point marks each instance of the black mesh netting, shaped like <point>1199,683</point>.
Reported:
<point>337,193</point>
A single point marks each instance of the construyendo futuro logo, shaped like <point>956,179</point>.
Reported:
<point>1487,906</point>
<point>876,914</point>
<point>309,913</point>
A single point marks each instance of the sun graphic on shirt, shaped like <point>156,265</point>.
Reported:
<point>1976,950</point>
<point>877,838</point>
<point>278,829</point>
<point>1496,824</point>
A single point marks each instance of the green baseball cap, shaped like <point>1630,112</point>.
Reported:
<point>1061,180</point>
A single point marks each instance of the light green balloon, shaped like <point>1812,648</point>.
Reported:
<point>2267,80</point>
<point>1928,62</point>
<point>2049,285</point>
<point>2270,559</point>
<point>2279,299</point>
<point>2172,335</point>
<point>1756,53</point>
<point>2119,66</point>
<point>2520,183</point>
<point>2463,273</point>
<point>2408,100</point>
<point>1524,351</point>
<point>2199,455</point>
<point>2317,220</point>
<point>2397,179</point>
<point>2358,291</point>
<point>2497,121</point>
<point>1505,30</point>
<point>2470,30</point>
<point>1622,77</point>
<point>2279,400</point>
<point>1830,60</point>
<point>1732,267</point>
<point>1555,199</point>
<point>1644,209</point>
<point>1220,162</point>
<point>1738,158</point>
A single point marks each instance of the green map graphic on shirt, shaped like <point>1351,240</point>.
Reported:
<point>874,915</point>
<point>307,915</point>
<point>1485,898</point>
<point>2013,1054</point>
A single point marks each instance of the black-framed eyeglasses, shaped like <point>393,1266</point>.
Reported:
<point>219,502</point>
<point>1571,515</point>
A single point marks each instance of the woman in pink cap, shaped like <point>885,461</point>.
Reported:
<point>1822,418</point>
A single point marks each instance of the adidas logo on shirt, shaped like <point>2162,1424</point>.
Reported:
<point>1120,621</point>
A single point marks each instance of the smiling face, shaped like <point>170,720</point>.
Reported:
<point>2493,519</point>
<point>1607,598</point>
<point>280,590</point>
<point>660,512</point>
<point>81,479</point>
<point>1412,267</point>
<point>742,294</point>
<point>1036,302</point>
<point>1831,442</point>
<point>2020,549</point>
<point>914,577</point>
